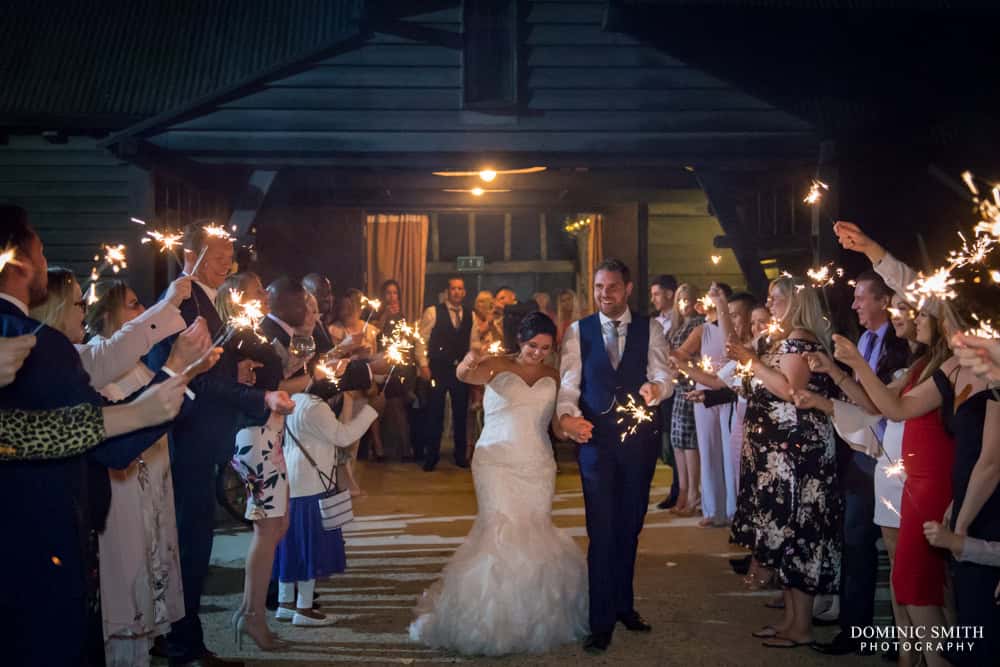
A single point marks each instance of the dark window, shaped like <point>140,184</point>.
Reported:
<point>490,63</point>
<point>453,236</point>
<point>560,244</point>
<point>525,237</point>
<point>489,236</point>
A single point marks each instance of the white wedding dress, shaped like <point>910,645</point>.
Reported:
<point>517,584</point>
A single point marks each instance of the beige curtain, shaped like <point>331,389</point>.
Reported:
<point>397,249</point>
<point>590,246</point>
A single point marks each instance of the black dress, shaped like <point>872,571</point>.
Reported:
<point>790,509</point>
<point>974,584</point>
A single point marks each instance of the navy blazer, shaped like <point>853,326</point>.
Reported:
<point>207,432</point>
<point>50,502</point>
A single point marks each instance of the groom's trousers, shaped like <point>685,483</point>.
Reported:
<point>616,476</point>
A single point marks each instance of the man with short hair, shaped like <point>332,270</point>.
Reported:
<point>286,302</point>
<point>505,296</point>
<point>661,295</point>
<point>204,437</point>
<point>607,358</point>
<point>446,329</point>
<point>321,288</point>
<point>885,353</point>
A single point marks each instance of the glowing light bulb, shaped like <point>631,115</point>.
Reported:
<point>487,175</point>
<point>477,192</point>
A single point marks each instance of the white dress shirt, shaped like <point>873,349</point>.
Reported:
<point>666,321</point>
<point>427,323</point>
<point>571,363</point>
<point>287,328</point>
<point>212,292</point>
<point>106,360</point>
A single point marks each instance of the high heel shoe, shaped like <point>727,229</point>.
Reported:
<point>241,627</point>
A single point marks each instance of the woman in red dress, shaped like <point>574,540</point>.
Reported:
<point>918,578</point>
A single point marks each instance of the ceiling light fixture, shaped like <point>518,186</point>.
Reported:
<point>489,174</point>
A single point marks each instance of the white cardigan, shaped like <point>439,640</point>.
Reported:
<point>107,359</point>
<point>320,432</point>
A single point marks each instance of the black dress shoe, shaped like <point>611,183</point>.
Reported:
<point>463,464</point>
<point>741,566</point>
<point>842,644</point>
<point>634,622</point>
<point>666,503</point>
<point>428,467</point>
<point>597,642</point>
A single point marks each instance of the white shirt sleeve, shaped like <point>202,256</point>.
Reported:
<point>980,551</point>
<point>571,372</point>
<point>426,325</point>
<point>319,420</point>
<point>898,275</point>
<point>657,370</point>
<point>107,359</point>
<point>856,427</point>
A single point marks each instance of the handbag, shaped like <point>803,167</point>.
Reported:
<point>335,506</point>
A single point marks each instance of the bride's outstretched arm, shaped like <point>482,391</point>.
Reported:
<point>476,368</point>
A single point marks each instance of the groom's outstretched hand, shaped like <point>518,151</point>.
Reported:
<point>576,429</point>
<point>650,393</point>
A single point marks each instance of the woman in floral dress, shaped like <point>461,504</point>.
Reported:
<point>790,508</point>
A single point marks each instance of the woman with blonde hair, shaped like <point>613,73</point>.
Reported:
<point>790,507</point>
<point>567,312</point>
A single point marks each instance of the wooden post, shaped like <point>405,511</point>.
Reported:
<point>506,237</point>
<point>472,233</point>
<point>641,279</point>
<point>435,239</point>
<point>543,238</point>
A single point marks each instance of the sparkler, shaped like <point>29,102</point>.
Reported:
<point>682,304</point>
<point>896,469</point>
<point>495,348</point>
<point>327,372</point>
<point>774,328</point>
<point>373,304</point>
<point>816,191</point>
<point>889,505</point>
<point>938,285</point>
<point>7,257</point>
<point>168,242</point>
<point>706,364</point>
<point>716,259</point>
<point>114,258</point>
<point>983,328</point>
<point>634,412</point>
<point>401,340</point>
<point>217,231</point>
<point>744,371</point>
<point>706,302</point>
<point>825,275</point>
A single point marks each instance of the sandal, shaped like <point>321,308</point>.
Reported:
<point>766,632</point>
<point>783,642</point>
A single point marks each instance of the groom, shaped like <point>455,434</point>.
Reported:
<point>607,357</point>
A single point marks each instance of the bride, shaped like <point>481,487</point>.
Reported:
<point>517,584</point>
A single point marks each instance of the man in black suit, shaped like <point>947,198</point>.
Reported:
<point>885,353</point>
<point>286,302</point>
<point>446,329</point>
<point>204,439</point>
<point>47,615</point>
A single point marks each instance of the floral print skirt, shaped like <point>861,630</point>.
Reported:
<point>260,462</point>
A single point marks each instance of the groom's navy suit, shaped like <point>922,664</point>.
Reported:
<point>616,474</point>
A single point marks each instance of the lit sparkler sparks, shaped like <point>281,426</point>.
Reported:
<point>248,315</point>
<point>634,412</point>
<point>682,304</point>
<point>938,285</point>
<point>114,258</point>
<point>706,364</point>
<point>217,231</point>
<point>716,259</point>
<point>983,328</point>
<point>889,505</point>
<point>495,348</point>
<point>774,328</point>
<point>824,275</point>
<point>706,302</point>
<point>327,372</point>
<point>816,191</point>
<point>7,257</point>
<point>168,241</point>
<point>744,371</point>
<point>896,469</point>
<point>974,254</point>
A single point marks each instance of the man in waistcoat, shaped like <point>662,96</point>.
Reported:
<point>446,329</point>
<point>607,358</point>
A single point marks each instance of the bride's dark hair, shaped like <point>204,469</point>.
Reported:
<point>535,324</point>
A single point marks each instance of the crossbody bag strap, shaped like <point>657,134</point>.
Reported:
<point>328,481</point>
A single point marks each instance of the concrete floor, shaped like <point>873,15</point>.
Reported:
<point>411,522</point>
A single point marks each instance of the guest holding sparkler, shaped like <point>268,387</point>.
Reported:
<point>205,438</point>
<point>972,418</point>
<point>704,347</point>
<point>258,456</point>
<point>355,338</point>
<point>683,433</point>
<point>62,503</point>
<point>314,436</point>
<point>790,509</point>
<point>919,449</point>
<point>319,286</point>
<point>399,389</point>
